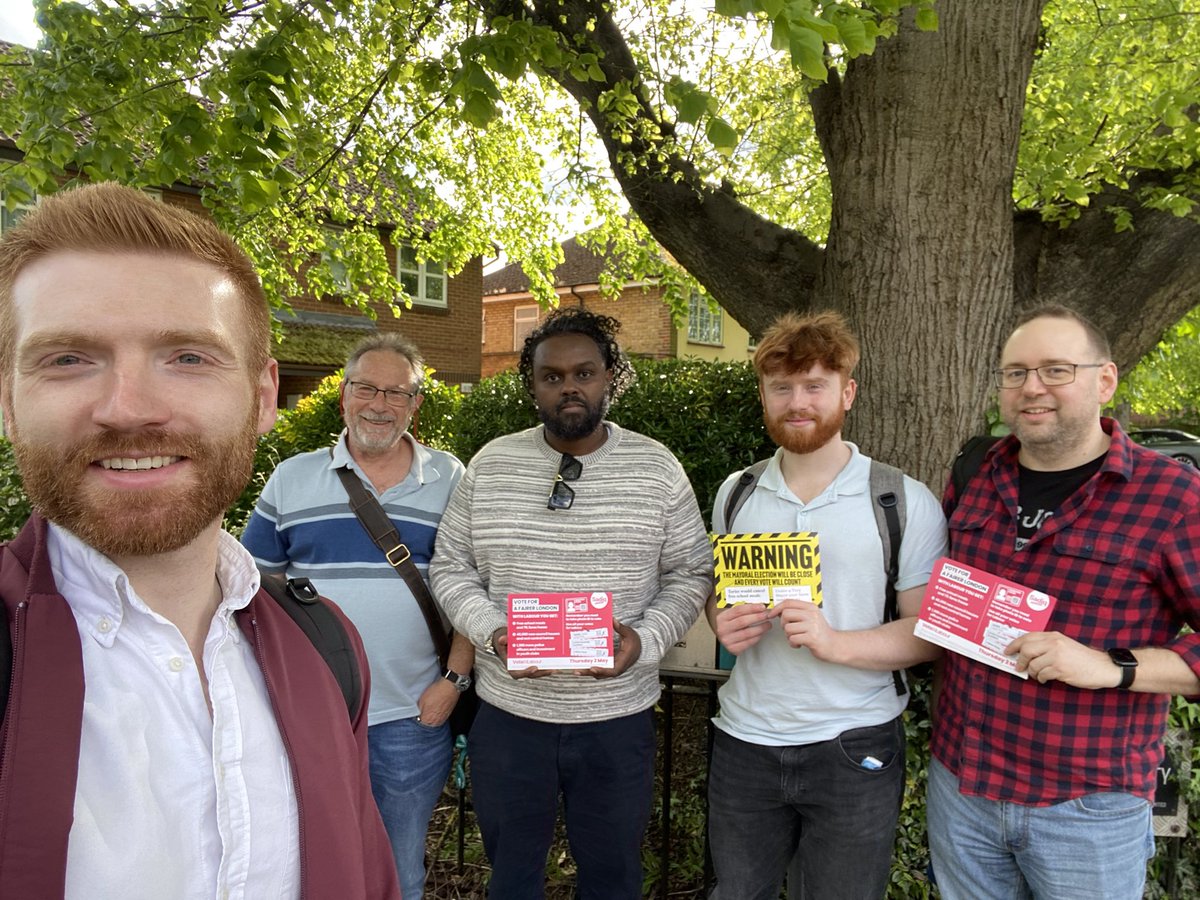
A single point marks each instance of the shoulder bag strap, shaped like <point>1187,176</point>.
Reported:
<point>387,539</point>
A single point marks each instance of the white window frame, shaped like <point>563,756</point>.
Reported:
<point>523,325</point>
<point>703,322</point>
<point>423,277</point>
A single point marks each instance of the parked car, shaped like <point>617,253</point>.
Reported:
<point>1169,441</point>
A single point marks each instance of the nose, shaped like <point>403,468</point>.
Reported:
<point>1029,386</point>
<point>378,403</point>
<point>132,398</point>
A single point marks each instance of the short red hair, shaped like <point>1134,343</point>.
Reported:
<point>796,343</point>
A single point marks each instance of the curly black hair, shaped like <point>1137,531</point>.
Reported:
<point>577,320</point>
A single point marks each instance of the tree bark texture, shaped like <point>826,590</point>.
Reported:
<point>920,141</point>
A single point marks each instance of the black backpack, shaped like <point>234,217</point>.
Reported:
<point>299,600</point>
<point>970,457</point>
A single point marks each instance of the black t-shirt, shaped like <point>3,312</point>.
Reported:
<point>1041,493</point>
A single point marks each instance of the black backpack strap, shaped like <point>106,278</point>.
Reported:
<point>301,601</point>
<point>969,460</point>
<point>887,489</point>
<point>741,490</point>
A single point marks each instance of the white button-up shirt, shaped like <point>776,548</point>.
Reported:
<point>172,802</point>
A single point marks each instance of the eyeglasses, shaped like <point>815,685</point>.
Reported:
<point>1051,375</point>
<point>562,495</point>
<point>360,390</point>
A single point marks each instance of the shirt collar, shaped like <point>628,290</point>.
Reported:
<point>422,468</point>
<point>854,478</point>
<point>99,592</point>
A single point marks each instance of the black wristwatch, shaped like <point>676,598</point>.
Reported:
<point>460,682</point>
<point>1127,662</point>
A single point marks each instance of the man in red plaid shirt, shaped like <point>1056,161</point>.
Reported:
<point>1042,787</point>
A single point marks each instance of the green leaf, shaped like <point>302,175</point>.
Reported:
<point>808,53</point>
<point>721,135</point>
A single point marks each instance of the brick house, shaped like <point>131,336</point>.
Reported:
<point>445,319</point>
<point>510,312</point>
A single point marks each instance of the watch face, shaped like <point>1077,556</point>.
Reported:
<point>1122,657</point>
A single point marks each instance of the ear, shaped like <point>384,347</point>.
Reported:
<point>1107,381</point>
<point>849,392</point>
<point>417,401</point>
<point>268,396</point>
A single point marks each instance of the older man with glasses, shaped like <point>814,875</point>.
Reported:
<point>578,504</point>
<point>1041,787</point>
<point>304,526</point>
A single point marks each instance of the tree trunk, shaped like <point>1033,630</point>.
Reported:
<point>925,256</point>
<point>921,142</point>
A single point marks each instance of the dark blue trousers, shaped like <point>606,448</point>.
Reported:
<point>604,772</point>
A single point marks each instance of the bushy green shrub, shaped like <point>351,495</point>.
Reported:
<point>14,505</point>
<point>314,423</point>
<point>708,414</point>
<point>498,405</point>
<point>436,423</point>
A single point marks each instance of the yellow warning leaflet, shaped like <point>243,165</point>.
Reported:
<point>767,568</point>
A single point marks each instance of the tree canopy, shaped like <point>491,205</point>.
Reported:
<point>928,168</point>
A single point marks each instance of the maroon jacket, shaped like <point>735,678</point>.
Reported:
<point>344,851</point>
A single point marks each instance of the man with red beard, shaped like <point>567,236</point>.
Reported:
<point>169,730</point>
<point>808,760</point>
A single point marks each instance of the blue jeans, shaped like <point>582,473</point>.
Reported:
<point>1094,846</point>
<point>409,766</point>
<point>605,774</point>
<point>815,802</point>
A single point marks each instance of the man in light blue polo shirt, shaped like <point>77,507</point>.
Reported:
<point>303,527</point>
<point>808,760</point>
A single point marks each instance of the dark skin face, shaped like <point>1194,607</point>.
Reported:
<point>570,389</point>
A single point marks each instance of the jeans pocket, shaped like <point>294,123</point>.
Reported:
<point>431,729</point>
<point>875,748</point>
<point>1110,805</point>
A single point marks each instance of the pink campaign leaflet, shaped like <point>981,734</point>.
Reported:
<point>977,614</point>
<point>560,631</point>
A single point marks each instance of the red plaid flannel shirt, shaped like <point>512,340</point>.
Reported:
<point>1122,555</point>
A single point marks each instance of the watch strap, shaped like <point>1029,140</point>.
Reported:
<point>1125,661</point>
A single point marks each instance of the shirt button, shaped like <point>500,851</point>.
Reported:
<point>176,664</point>
<point>105,625</point>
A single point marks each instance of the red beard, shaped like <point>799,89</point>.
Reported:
<point>822,431</point>
<point>137,522</point>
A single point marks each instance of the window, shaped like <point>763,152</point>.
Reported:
<point>425,281</point>
<point>10,217</point>
<point>337,263</point>
<point>525,319</point>
<point>704,324</point>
